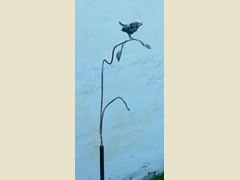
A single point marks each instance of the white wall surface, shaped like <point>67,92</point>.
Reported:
<point>133,140</point>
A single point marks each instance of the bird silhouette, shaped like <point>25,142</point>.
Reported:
<point>130,28</point>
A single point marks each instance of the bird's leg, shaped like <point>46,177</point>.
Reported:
<point>130,36</point>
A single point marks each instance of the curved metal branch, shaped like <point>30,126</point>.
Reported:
<point>101,120</point>
<point>145,45</point>
<point>109,63</point>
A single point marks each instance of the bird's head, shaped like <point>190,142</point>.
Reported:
<point>138,24</point>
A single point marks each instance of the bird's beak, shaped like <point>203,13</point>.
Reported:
<point>139,24</point>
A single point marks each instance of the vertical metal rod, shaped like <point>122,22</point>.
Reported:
<point>101,147</point>
<point>101,162</point>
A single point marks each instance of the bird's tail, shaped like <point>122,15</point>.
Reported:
<point>123,25</point>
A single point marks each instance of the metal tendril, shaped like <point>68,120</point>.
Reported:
<point>104,111</point>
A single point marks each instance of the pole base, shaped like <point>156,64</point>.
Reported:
<point>101,162</point>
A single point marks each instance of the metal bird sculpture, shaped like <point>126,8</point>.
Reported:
<point>130,28</point>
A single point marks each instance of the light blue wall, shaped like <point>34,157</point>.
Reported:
<point>133,140</point>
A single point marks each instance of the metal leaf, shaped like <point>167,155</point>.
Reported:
<point>147,46</point>
<point>119,55</point>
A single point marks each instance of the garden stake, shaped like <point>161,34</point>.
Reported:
<point>102,110</point>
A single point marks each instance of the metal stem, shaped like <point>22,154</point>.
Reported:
<point>101,106</point>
